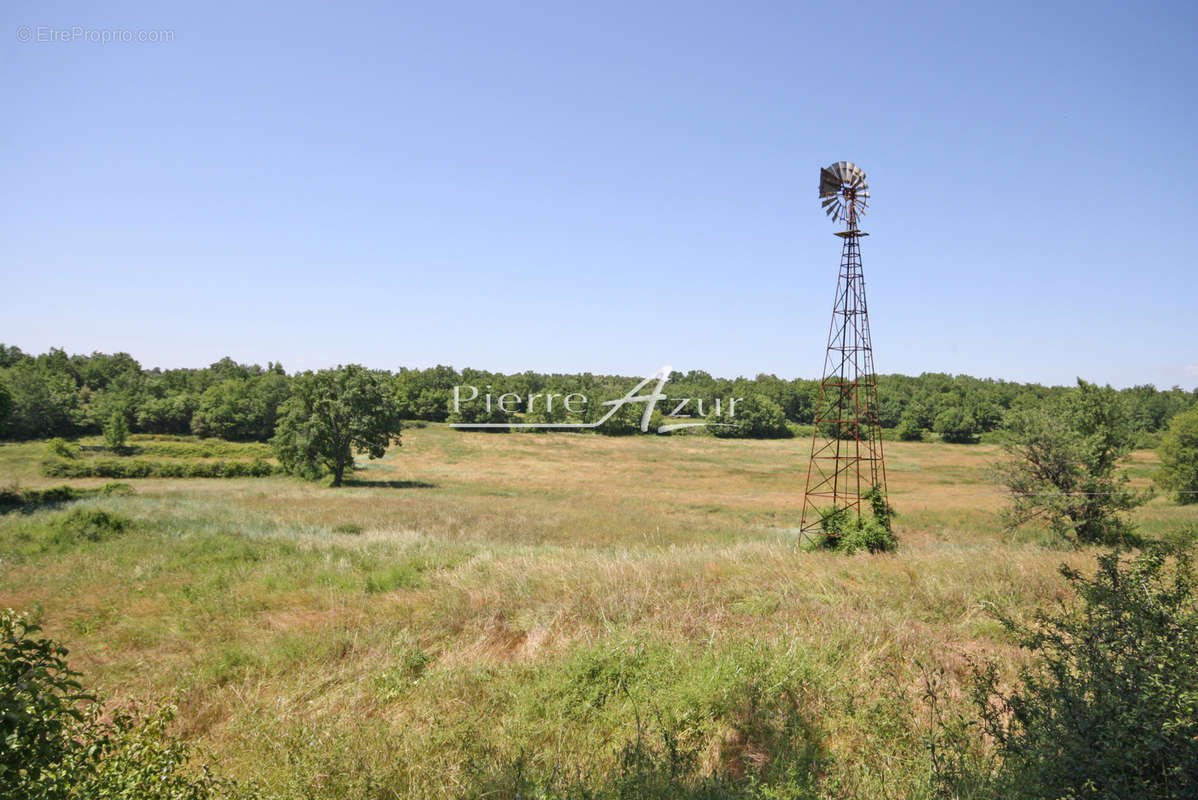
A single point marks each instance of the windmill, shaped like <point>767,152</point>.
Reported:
<point>846,446</point>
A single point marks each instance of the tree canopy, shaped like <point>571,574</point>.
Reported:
<point>1062,466</point>
<point>332,414</point>
<point>58,394</point>
<point>1179,457</point>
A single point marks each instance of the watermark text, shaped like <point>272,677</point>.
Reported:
<point>576,402</point>
<point>50,34</point>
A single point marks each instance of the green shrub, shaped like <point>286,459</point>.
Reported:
<point>87,525</point>
<point>202,448</point>
<point>871,535</point>
<point>137,756</point>
<point>60,743</point>
<point>843,531</point>
<point>61,448</point>
<point>62,531</point>
<point>1108,706</point>
<point>15,497</point>
<point>138,468</point>
<point>39,694</point>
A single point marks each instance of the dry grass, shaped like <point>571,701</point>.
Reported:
<point>492,571</point>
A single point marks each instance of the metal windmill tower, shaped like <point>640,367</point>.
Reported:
<point>846,447</point>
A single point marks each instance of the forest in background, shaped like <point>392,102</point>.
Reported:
<point>57,394</point>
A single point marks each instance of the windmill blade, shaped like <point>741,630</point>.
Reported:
<point>851,173</point>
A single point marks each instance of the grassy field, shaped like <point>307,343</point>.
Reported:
<point>475,609</point>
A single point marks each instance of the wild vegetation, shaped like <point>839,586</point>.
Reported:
<point>571,616</point>
<point>1063,467</point>
<point>61,742</point>
<point>1105,709</point>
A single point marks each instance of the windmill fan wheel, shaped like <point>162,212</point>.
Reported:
<point>843,192</point>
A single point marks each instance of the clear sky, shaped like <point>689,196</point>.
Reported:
<point>605,187</point>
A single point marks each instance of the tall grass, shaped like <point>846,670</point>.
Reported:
<point>554,614</point>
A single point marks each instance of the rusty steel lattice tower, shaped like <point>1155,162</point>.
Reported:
<point>846,447</point>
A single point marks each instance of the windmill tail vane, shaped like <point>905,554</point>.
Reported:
<point>847,462</point>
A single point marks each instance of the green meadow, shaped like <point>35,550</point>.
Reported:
<point>475,614</point>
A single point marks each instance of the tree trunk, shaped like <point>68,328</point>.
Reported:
<point>339,470</point>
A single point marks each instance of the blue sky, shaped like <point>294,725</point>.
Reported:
<point>603,187</point>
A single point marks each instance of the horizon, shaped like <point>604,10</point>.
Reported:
<point>626,376</point>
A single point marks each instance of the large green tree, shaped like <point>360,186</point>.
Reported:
<point>330,415</point>
<point>1179,457</point>
<point>1062,466</point>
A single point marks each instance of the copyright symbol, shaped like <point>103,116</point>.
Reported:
<point>24,34</point>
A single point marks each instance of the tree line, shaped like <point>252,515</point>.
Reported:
<point>57,394</point>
